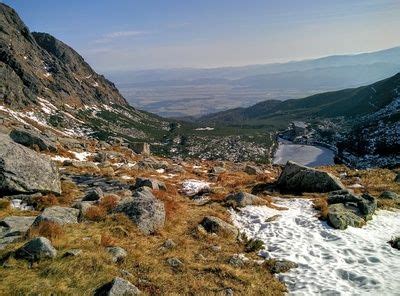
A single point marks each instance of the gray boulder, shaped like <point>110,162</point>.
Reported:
<point>252,170</point>
<point>16,225</point>
<point>36,249</point>
<point>118,254</point>
<point>297,178</point>
<point>22,170</point>
<point>147,212</point>
<point>117,287</point>
<point>59,215</point>
<point>341,216</point>
<point>31,139</point>
<point>174,262</point>
<point>389,195</point>
<point>242,199</point>
<point>218,226</point>
<point>149,182</point>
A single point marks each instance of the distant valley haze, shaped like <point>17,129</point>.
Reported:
<point>190,58</point>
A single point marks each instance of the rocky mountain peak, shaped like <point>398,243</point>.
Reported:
<point>39,65</point>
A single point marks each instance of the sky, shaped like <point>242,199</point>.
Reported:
<point>135,35</point>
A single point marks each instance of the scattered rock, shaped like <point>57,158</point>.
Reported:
<point>140,148</point>
<point>217,170</point>
<point>147,212</point>
<point>83,206</point>
<point>118,254</point>
<point>395,242</point>
<point>238,260</point>
<point>216,225</point>
<point>16,225</point>
<point>36,249</point>
<point>100,157</point>
<point>31,139</point>
<point>252,170</point>
<point>22,170</point>
<point>389,195</point>
<point>195,187</point>
<point>94,195</point>
<point>168,244</point>
<point>297,178</point>
<point>59,215</point>
<point>73,253</point>
<point>117,287</point>
<point>280,266</point>
<point>216,248</point>
<point>174,262</point>
<point>148,182</point>
<point>242,199</point>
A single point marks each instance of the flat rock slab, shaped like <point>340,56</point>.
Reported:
<point>23,170</point>
<point>16,225</point>
<point>59,215</point>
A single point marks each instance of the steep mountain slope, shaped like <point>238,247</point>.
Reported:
<point>46,83</point>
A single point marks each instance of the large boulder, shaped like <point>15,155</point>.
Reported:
<point>298,178</point>
<point>242,199</point>
<point>22,170</point>
<point>13,229</point>
<point>253,170</point>
<point>31,139</point>
<point>59,215</point>
<point>36,249</point>
<point>117,287</point>
<point>147,212</point>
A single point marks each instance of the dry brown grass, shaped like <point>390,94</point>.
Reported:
<point>70,193</point>
<point>48,229</point>
<point>109,202</point>
<point>4,204</point>
<point>321,205</point>
<point>96,213</point>
<point>45,201</point>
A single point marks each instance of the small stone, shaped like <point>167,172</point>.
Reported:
<point>242,199</point>
<point>174,262</point>
<point>252,170</point>
<point>216,225</point>
<point>216,248</point>
<point>273,218</point>
<point>151,183</point>
<point>169,244</point>
<point>279,266</point>
<point>238,260</point>
<point>118,254</point>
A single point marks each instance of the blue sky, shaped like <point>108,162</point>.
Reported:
<point>129,34</point>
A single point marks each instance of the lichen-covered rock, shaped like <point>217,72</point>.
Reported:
<point>16,225</point>
<point>341,216</point>
<point>297,178</point>
<point>22,170</point>
<point>216,225</point>
<point>118,254</point>
<point>36,249</point>
<point>147,212</point>
<point>117,287</point>
<point>242,199</point>
<point>59,215</point>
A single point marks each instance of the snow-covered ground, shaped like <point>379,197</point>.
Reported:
<point>355,261</point>
<point>303,154</point>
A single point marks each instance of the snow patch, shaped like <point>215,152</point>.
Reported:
<point>193,187</point>
<point>81,156</point>
<point>20,205</point>
<point>355,261</point>
<point>207,128</point>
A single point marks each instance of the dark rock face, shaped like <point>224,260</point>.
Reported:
<point>147,212</point>
<point>346,209</point>
<point>389,195</point>
<point>38,65</point>
<point>242,199</point>
<point>297,178</point>
<point>117,287</point>
<point>94,195</point>
<point>22,170</point>
<point>36,249</point>
<point>32,139</point>
<point>59,215</point>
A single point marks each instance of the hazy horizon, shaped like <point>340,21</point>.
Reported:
<point>137,35</point>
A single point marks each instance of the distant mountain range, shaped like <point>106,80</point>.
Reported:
<point>203,91</point>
